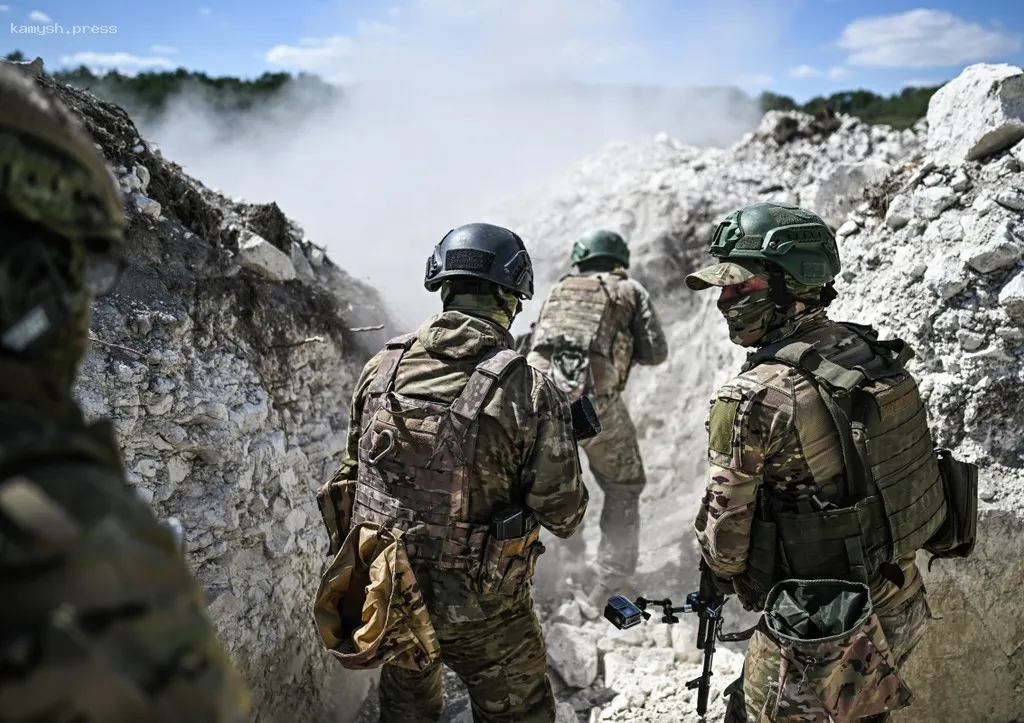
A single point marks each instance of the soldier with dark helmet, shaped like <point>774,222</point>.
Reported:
<point>593,327</point>
<point>822,468</point>
<point>100,620</point>
<point>452,437</point>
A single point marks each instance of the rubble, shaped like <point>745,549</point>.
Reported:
<point>936,259</point>
<point>977,114</point>
<point>229,386</point>
<point>229,392</point>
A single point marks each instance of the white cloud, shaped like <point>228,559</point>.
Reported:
<point>205,11</point>
<point>114,61</point>
<point>542,36</point>
<point>163,49</point>
<point>838,71</point>
<point>804,71</point>
<point>38,16</point>
<point>923,39</point>
<point>5,8</point>
<point>319,55</point>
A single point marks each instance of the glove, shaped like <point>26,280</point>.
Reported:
<point>750,595</point>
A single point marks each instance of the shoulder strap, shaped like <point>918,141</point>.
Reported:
<point>802,355</point>
<point>487,372</point>
<point>805,358</point>
<point>385,376</point>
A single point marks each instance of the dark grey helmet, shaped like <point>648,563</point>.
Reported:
<point>481,251</point>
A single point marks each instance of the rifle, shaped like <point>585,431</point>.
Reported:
<point>707,602</point>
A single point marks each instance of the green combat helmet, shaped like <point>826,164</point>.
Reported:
<point>771,237</point>
<point>61,237</point>
<point>600,243</point>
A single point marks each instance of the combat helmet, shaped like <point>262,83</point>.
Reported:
<point>778,238</point>
<point>481,251</point>
<point>600,243</point>
<point>62,230</point>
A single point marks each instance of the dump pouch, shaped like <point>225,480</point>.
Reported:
<point>508,565</point>
<point>369,610</point>
<point>957,535</point>
<point>833,647</point>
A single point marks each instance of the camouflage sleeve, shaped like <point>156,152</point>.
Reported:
<point>350,464</point>
<point>552,476</point>
<point>112,625</point>
<point>649,344</point>
<point>742,432</point>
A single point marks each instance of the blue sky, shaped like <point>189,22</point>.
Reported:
<point>795,47</point>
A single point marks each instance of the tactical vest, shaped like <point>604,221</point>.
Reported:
<point>894,500</point>
<point>416,461</point>
<point>584,331</point>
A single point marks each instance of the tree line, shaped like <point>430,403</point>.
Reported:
<point>148,93</point>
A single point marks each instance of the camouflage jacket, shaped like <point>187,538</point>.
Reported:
<point>93,583</point>
<point>768,426</point>
<point>634,334</point>
<point>526,451</point>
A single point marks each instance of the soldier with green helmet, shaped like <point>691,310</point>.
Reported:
<point>822,465</point>
<point>457,442</point>
<point>101,619</point>
<point>593,327</point>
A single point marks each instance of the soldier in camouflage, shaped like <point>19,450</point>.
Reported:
<point>594,326</point>
<point>779,473</point>
<point>448,427</point>
<point>101,620</point>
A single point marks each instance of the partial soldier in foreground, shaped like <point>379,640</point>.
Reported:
<point>100,620</point>
<point>593,327</point>
<point>452,439</point>
<point>822,468</point>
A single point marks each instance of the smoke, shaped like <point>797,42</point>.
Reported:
<point>449,105</point>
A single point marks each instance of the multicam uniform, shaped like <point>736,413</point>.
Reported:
<point>822,468</point>
<point>100,619</point>
<point>610,318</point>
<point>524,451</point>
<point>769,429</point>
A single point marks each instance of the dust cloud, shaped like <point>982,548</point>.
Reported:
<point>447,106</point>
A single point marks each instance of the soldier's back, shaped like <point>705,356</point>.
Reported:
<point>101,620</point>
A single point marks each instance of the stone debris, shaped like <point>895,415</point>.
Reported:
<point>977,114</point>
<point>936,258</point>
<point>258,255</point>
<point>228,418</point>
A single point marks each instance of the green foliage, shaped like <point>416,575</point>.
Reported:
<point>900,110</point>
<point>147,94</point>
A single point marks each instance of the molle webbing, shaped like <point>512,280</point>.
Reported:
<point>894,501</point>
<point>420,477</point>
<point>577,311</point>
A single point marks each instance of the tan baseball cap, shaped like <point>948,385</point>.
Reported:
<point>727,273</point>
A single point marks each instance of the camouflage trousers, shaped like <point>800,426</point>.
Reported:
<point>903,626</point>
<point>501,659</point>
<point>618,469</point>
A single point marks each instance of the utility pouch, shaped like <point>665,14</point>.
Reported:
<point>334,498</point>
<point>958,533</point>
<point>763,562</point>
<point>510,559</point>
<point>833,646</point>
